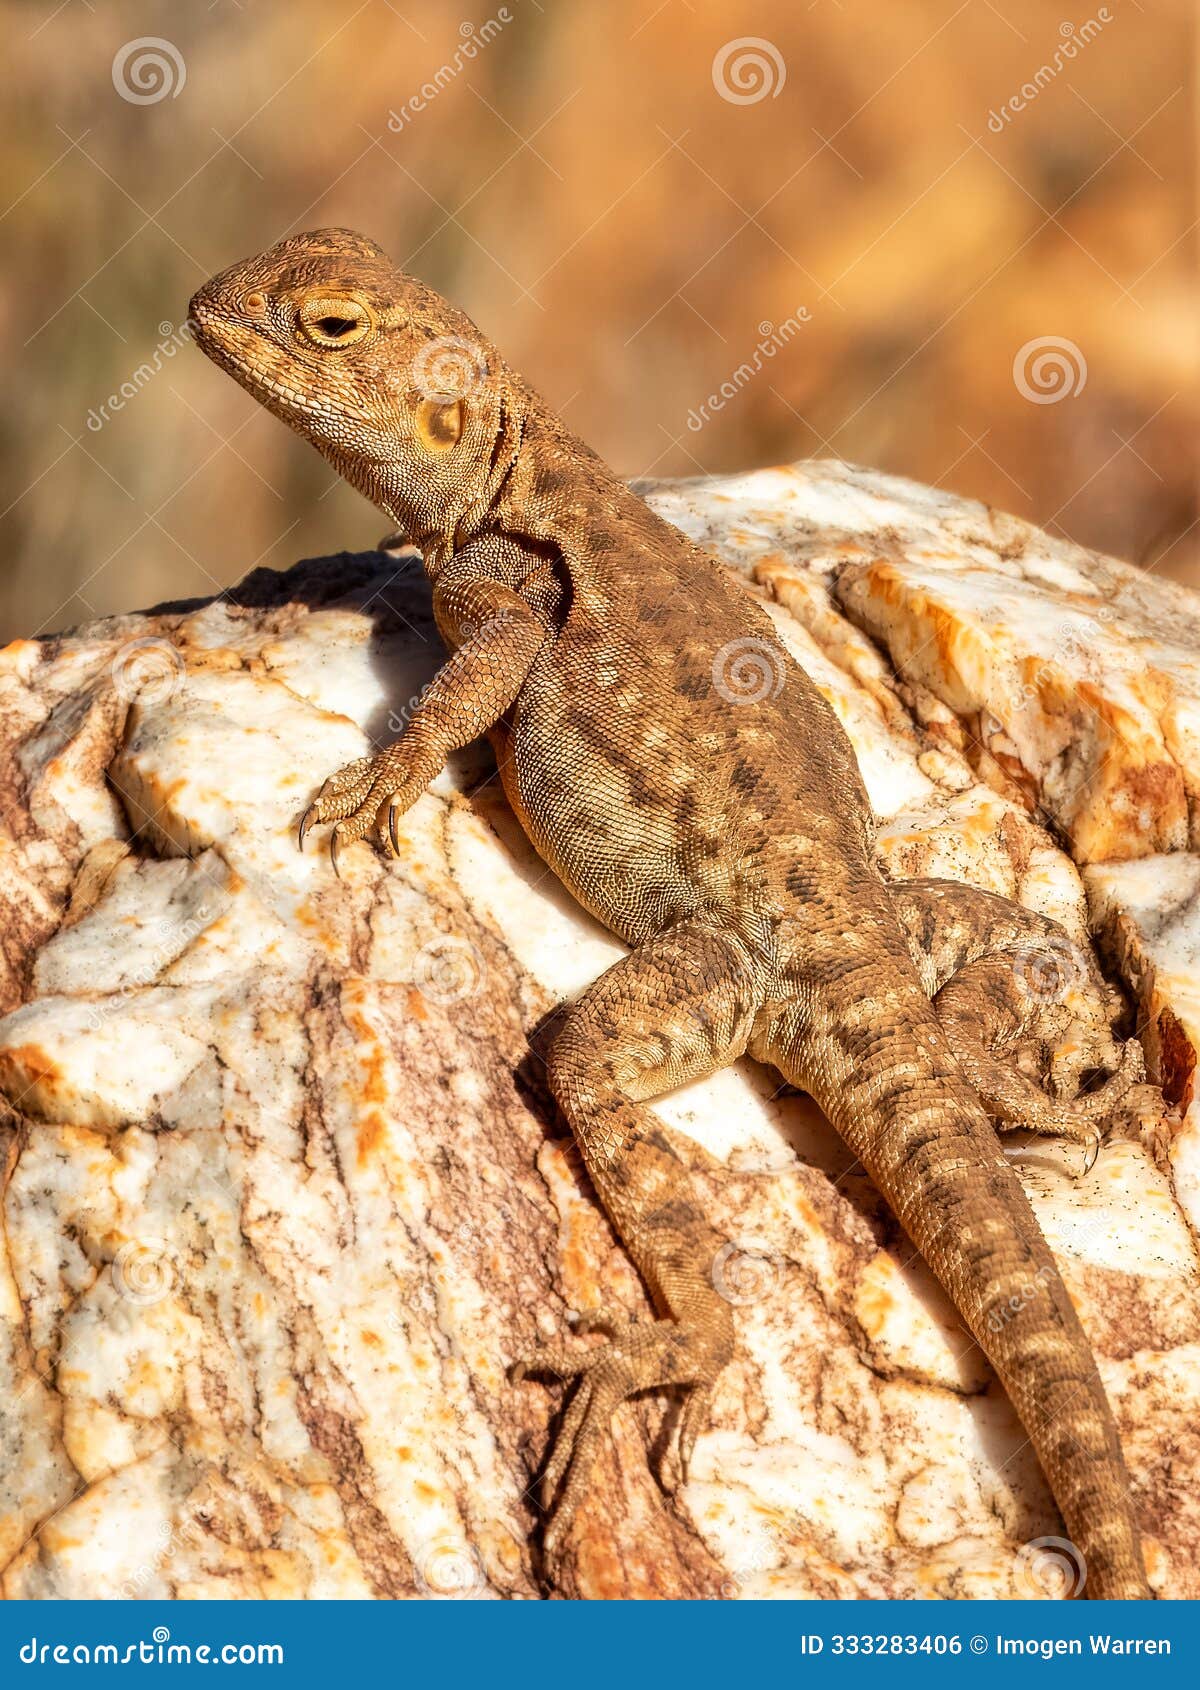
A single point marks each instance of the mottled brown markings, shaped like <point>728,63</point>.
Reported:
<point>575,766</point>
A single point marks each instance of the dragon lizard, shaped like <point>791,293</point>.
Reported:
<point>731,848</point>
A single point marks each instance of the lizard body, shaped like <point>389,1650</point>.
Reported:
<point>721,829</point>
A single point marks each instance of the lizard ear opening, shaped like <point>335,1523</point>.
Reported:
<point>440,423</point>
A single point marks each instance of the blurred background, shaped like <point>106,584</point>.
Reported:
<point>965,229</point>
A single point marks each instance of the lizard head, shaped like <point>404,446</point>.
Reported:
<point>397,388</point>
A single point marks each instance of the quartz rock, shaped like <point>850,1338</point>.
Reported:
<point>286,1193</point>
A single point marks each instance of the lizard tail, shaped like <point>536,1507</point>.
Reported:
<point>879,1065</point>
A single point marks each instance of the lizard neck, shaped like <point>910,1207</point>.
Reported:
<point>539,484</point>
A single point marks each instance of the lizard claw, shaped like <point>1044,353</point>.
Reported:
<point>393,817</point>
<point>335,841</point>
<point>306,821</point>
<point>1091,1154</point>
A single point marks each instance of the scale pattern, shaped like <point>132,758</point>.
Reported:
<point>689,785</point>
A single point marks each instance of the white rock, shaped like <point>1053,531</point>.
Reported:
<point>286,1193</point>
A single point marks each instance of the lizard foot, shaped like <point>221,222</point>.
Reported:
<point>370,793</point>
<point>639,1356</point>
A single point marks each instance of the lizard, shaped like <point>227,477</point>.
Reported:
<point>728,844</point>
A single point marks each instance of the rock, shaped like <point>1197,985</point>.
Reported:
<point>285,1190</point>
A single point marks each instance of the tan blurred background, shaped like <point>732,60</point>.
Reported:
<point>585,186</point>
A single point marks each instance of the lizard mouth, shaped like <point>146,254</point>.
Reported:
<point>272,391</point>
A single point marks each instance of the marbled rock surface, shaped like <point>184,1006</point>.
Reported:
<point>284,1194</point>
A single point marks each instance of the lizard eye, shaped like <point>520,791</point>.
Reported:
<point>334,323</point>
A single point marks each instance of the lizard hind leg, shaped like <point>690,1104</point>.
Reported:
<point>679,1007</point>
<point>983,1008</point>
<point>1005,979</point>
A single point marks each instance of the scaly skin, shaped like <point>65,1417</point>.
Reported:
<point>1005,978</point>
<point>689,785</point>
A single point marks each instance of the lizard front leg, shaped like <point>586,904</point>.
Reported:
<point>497,636</point>
<point>679,1007</point>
